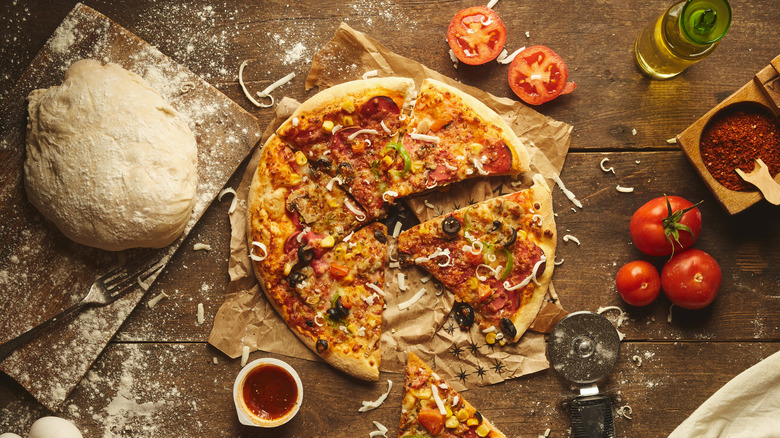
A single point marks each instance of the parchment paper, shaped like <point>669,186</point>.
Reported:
<point>464,359</point>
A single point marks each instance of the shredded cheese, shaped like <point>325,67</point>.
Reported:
<point>430,186</point>
<point>637,359</point>
<point>256,257</point>
<point>437,399</point>
<point>625,412</point>
<point>319,315</point>
<point>669,318</point>
<point>672,140</point>
<point>475,248</point>
<point>329,185</point>
<point>425,279</point>
<point>201,246</point>
<point>556,262</point>
<point>454,59</point>
<point>494,271</point>
<point>370,300</point>
<point>479,167</point>
<point>267,91</point>
<point>370,405</point>
<point>531,277</point>
<point>408,303</point>
<point>381,432</point>
<point>186,87</point>
<point>424,137</point>
<point>569,237</point>
<point>349,236</point>
<point>244,355</point>
<point>428,204</point>
<point>455,400</point>
<point>397,229</point>
<point>336,129</point>
<point>384,127</point>
<point>235,199</point>
<point>566,191</point>
<point>246,92</point>
<point>402,282</point>
<point>604,168</point>
<point>370,74</point>
<point>507,59</point>
<point>389,195</point>
<point>624,189</point>
<point>201,314</point>
<point>153,302</point>
<point>358,214</point>
<point>361,131</point>
<point>436,254</point>
<point>295,121</point>
<point>450,166</point>
<point>376,288</point>
<point>537,218</point>
<point>621,316</point>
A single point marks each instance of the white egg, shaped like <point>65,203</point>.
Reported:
<point>53,427</point>
<point>9,435</point>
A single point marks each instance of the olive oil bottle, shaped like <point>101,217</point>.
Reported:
<point>685,34</point>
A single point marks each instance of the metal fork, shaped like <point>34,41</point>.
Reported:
<point>105,290</point>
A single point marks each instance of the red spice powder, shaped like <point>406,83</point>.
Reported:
<point>735,139</point>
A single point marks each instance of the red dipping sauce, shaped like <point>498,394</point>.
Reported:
<point>270,392</point>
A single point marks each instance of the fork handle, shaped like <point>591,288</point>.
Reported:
<point>9,347</point>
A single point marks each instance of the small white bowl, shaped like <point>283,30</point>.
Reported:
<point>246,416</point>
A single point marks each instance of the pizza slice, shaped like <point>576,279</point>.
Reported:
<point>293,213</point>
<point>453,136</point>
<point>351,131</point>
<point>431,408</point>
<point>496,256</point>
<point>334,303</point>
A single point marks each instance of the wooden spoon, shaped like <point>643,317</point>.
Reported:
<point>761,178</point>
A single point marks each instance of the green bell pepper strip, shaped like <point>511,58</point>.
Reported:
<point>399,147</point>
<point>510,263</point>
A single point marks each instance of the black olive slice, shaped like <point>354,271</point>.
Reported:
<point>322,345</point>
<point>305,254</point>
<point>464,314</point>
<point>508,328</point>
<point>450,226</point>
<point>321,164</point>
<point>310,323</point>
<point>346,172</point>
<point>295,278</point>
<point>380,236</point>
<point>338,311</point>
<point>496,226</point>
<point>512,238</point>
<point>478,416</point>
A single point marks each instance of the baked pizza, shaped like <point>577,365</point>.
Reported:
<point>493,255</point>
<point>333,168</point>
<point>431,408</point>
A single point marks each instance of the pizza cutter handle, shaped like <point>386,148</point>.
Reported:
<point>591,417</point>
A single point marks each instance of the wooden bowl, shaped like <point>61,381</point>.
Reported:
<point>763,90</point>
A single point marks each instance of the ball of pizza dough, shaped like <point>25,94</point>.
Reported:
<point>109,161</point>
<point>9,435</point>
<point>53,427</point>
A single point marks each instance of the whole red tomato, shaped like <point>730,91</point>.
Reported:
<point>665,225</point>
<point>691,279</point>
<point>638,283</point>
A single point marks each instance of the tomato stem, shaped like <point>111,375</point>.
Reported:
<point>672,225</point>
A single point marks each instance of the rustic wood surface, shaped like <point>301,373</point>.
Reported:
<point>157,377</point>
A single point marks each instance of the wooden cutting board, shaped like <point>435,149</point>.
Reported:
<point>41,271</point>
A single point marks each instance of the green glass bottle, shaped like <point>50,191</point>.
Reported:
<point>685,34</point>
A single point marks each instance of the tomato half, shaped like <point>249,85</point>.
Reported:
<point>691,279</point>
<point>638,283</point>
<point>665,225</point>
<point>538,75</point>
<point>476,35</point>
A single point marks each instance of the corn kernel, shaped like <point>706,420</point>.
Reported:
<point>348,106</point>
<point>472,422</point>
<point>462,415</point>
<point>300,158</point>
<point>521,235</point>
<point>294,179</point>
<point>476,148</point>
<point>351,327</point>
<point>449,411</point>
<point>327,125</point>
<point>472,283</point>
<point>348,121</point>
<point>483,430</point>
<point>348,279</point>
<point>387,161</point>
<point>333,203</point>
<point>287,268</point>
<point>502,342</point>
<point>327,242</point>
<point>451,423</point>
<point>417,166</point>
<point>490,338</point>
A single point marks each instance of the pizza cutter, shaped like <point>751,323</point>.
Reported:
<point>583,348</point>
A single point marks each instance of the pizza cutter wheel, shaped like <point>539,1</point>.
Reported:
<point>583,348</point>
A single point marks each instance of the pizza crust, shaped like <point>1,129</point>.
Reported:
<point>540,192</point>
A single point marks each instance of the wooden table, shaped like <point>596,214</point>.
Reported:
<point>159,366</point>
